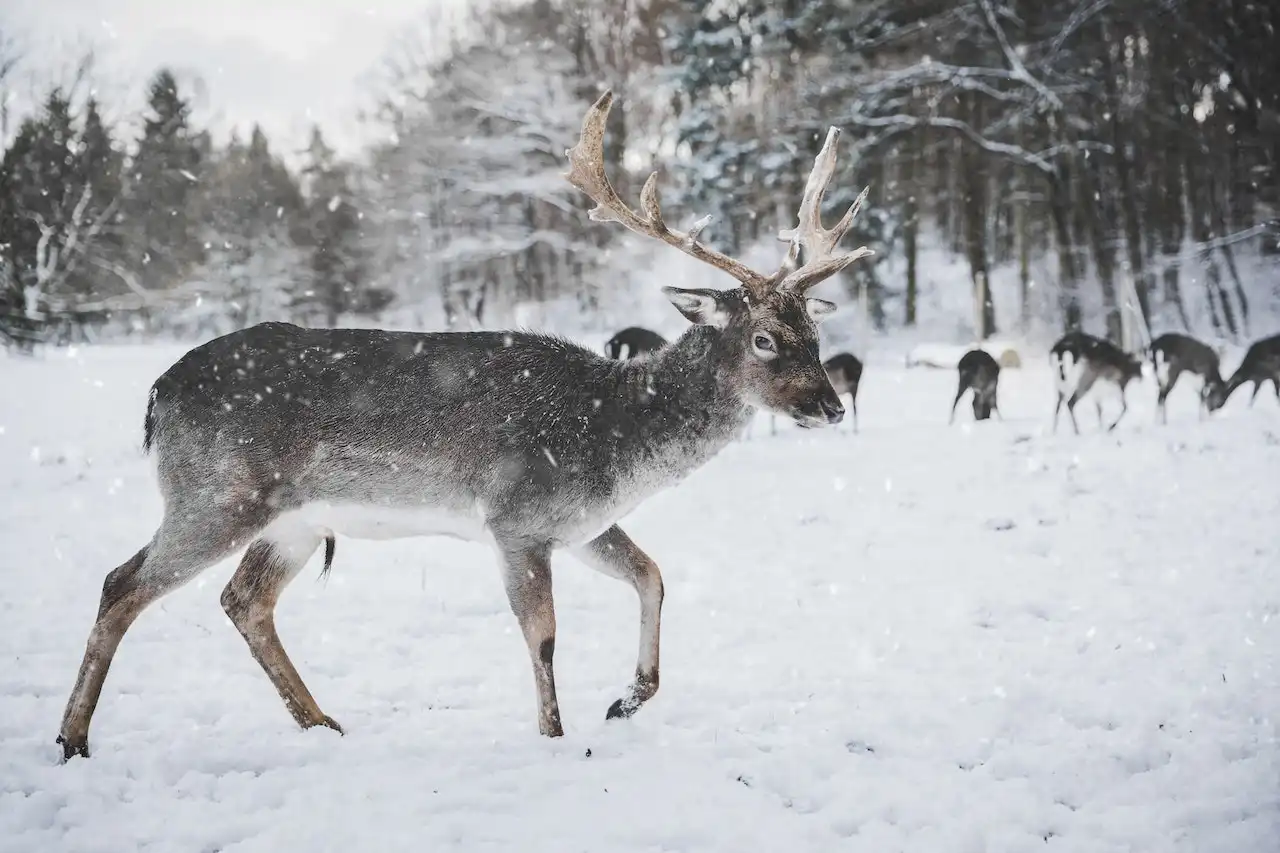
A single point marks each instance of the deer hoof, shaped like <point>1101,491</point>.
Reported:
<point>622,709</point>
<point>73,748</point>
<point>327,722</point>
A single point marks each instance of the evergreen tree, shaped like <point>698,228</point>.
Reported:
<point>99,164</point>
<point>163,234</point>
<point>49,226</point>
<point>331,232</point>
<point>246,210</point>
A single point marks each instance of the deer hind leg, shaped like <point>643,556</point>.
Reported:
<point>956,402</point>
<point>614,554</point>
<point>1165,388</point>
<point>527,575</point>
<point>1124,407</point>
<point>853,407</point>
<point>249,600</point>
<point>1087,379</point>
<point>185,545</point>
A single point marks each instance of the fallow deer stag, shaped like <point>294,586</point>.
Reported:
<point>275,437</point>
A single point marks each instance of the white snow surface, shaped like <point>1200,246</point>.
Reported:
<point>982,638</point>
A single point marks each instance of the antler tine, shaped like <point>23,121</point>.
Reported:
<point>819,243</point>
<point>586,172</point>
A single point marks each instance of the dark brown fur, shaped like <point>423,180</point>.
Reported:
<point>1172,355</point>
<point>980,373</point>
<point>636,340</point>
<point>1086,360</point>
<point>1261,364</point>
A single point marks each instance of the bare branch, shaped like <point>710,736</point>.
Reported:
<point>130,280</point>
<point>1018,70</point>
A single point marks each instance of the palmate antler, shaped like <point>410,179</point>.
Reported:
<point>586,172</point>
<point>819,244</point>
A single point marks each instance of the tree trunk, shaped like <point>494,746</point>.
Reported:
<point>974,185</point>
<point>910,228</point>
<point>1172,230</point>
<point>1068,273</point>
<point>1128,194</point>
<point>1023,237</point>
<point>1095,213</point>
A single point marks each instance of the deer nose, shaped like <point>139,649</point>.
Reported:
<point>833,410</point>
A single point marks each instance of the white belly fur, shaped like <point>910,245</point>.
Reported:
<point>301,529</point>
<point>375,522</point>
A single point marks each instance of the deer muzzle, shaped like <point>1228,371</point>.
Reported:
<point>822,409</point>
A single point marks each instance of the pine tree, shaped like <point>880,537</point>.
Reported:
<point>165,174</point>
<point>48,225</point>
<point>331,232</point>
<point>248,205</point>
<point>99,164</point>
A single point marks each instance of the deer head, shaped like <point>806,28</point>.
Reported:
<point>768,326</point>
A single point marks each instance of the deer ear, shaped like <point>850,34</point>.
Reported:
<point>700,306</point>
<point>819,309</point>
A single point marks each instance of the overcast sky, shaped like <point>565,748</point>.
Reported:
<point>283,63</point>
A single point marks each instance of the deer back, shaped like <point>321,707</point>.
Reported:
<point>526,430</point>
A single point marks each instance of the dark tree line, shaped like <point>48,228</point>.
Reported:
<point>168,231</point>
<point>1127,138</point>
<point>1107,164</point>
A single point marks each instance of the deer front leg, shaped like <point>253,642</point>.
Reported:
<point>527,575</point>
<point>614,554</point>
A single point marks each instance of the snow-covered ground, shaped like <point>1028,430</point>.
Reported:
<point>982,638</point>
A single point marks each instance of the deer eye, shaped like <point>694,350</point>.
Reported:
<point>764,345</point>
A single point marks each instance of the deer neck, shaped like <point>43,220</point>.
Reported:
<point>686,395</point>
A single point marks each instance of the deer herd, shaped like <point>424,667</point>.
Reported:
<point>273,439</point>
<point>1080,361</point>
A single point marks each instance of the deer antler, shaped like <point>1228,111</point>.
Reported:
<point>818,243</point>
<point>586,172</point>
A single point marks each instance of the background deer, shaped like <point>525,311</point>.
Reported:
<point>273,438</point>
<point>1172,355</point>
<point>844,369</point>
<point>980,373</point>
<point>1261,364</point>
<point>1081,360</point>
<point>635,340</point>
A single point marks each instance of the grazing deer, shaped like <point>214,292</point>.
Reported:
<point>1172,355</point>
<point>1261,364</point>
<point>635,340</point>
<point>980,373</point>
<point>844,371</point>
<point>1080,361</point>
<point>275,437</point>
